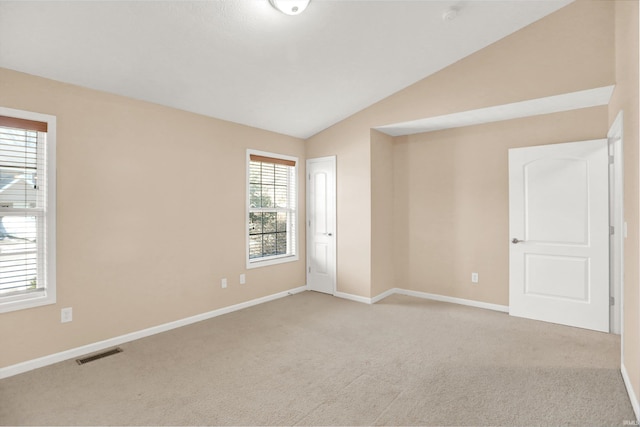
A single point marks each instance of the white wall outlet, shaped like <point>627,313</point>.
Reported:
<point>66,315</point>
<point>223,282</point>
<point>474,277</point>
<point>243,279</point>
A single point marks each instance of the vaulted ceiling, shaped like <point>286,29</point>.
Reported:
<point>243,61</point>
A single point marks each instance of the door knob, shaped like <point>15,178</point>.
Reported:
<point>329,234</point>
<point>514,241</point>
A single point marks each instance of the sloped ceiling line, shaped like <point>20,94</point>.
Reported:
<point>533,107</point>
<point>245,62</point>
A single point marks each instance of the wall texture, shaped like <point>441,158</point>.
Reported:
<point>382,211</point>
<point>151,215</point>
<point>353,204</point>
<point>625,99</point>
<point>455,198</point>
<point>569,50</point>
<point>151,200</point>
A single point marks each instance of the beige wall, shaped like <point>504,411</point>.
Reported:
<point>569,50</point>
<point>151,215</point>
<point>382,211</point>
<point>455,196</point>
<point>115,200</point>
<point>353,204</point>
<point>625,98</point>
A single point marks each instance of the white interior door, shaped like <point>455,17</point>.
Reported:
<point>559,226</point>
<point>321,224</point>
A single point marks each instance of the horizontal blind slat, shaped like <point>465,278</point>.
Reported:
<point>22,208</point>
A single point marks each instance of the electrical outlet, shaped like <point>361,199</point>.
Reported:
<point>223,282</point>
<point>66,315</point>
<point>474,277</point>
<point>243,279</point>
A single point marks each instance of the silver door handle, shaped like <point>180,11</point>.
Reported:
<point>514,241</point>
<point>329,234</point>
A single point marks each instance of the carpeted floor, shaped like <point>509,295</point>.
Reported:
<point>312,359</point>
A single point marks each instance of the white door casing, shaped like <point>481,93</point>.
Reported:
<point>616,220</point>
<point>321,224</point>
<point>559,223</point>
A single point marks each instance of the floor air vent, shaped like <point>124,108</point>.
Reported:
<point>99,356</point>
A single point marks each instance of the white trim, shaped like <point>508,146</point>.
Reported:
<point>277,259</point>
<point>461,301</point>
<point>101,345</point>
<point>632,396</point>
<point>616,219</point>
<point>385,294</point>
<point>356,298</point>
<point>532,107</point>
<point>49,295</point>
<point>424,295</point>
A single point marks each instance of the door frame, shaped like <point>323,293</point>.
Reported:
<point>616,221</point>
<point>333,210</point>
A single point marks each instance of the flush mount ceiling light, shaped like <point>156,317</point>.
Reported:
<point>450,14</point>
<point>290,7</point>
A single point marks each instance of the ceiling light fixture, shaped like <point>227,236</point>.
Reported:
<point>450,14</point>
<point>290,7</point>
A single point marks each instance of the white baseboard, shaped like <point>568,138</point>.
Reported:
<point>111,342</point>
<point>632,395</point>
<point>352,297</point>
<point>383,295</point>
<point>461,301</point>
<point>424,295</point>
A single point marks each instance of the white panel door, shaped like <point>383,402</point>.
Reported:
<point>321,224</point>
<point>559,231</point>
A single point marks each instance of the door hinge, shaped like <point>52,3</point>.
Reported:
<point>309,269</point>
<point>611,160</point>
<point>309,223</point>
<point>611,230</point>
<point>612,301</point>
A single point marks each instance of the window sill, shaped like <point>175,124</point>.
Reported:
<point>7,305</point>
<point>266,261</point>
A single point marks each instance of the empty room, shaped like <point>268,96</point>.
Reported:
<point>319,212</point>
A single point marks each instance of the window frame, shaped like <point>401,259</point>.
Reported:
<point>48,296</point>
<point>274,259</point>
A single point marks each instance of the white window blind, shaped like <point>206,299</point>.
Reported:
<point>272,205</point>
<point>23,210</point>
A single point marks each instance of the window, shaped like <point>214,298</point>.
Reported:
<point>27,209</point>
<point>271,209</point>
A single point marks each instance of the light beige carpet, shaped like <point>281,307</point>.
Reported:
<point>312,359</point>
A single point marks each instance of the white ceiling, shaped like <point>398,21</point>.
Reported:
<point>242,61</point>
